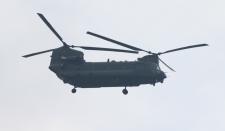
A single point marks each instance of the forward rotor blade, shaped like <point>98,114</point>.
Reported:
<point>116,42</point>
<point>51,27</point>
<point>166,65</point>
<point>183,48</point>
<point>105,49</point>
<point>37,53</point>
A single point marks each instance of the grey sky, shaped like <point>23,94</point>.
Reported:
<point>192,99</point>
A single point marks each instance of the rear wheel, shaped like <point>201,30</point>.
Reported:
<point>125,91</point>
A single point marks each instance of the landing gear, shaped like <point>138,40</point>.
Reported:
<point>74,90</point>
<point>125,91</point>
<point>154,81</point>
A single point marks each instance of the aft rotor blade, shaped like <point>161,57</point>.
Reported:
<point>37,53</point>
<point>183,48</point>
<point>105,49</point>
<point>116,42</point>
<point>166,65</point>
<point>51,27</point>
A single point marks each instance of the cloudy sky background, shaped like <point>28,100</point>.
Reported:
<point>191,99</point>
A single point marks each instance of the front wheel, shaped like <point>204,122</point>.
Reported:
<point>74,90</point>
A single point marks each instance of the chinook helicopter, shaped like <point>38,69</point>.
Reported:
<point>70,66</point>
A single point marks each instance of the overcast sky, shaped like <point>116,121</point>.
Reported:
<point>191,99</point>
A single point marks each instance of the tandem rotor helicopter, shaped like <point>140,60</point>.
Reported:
<point>70,66</point>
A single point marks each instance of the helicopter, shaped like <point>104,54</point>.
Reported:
<point>70,66</point>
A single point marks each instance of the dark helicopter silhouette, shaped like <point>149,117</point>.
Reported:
<point>70,66</point>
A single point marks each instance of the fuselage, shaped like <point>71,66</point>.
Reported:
<point>83,74</point>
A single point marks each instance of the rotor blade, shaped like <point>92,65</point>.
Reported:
<point>166,65</point>
<point>105,49</point>
<point>183,48</point>
<point>51,27</point>
<point>116,42</point>
<point>37,53</point>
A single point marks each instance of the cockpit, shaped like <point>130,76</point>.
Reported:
<point>67,54</point>
<point>63,56</point>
